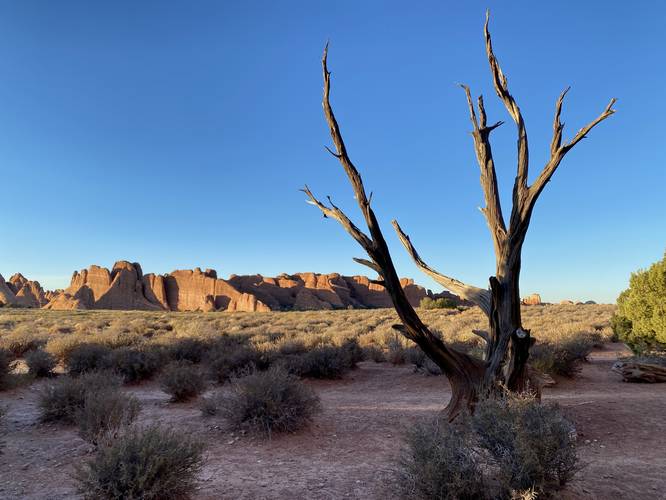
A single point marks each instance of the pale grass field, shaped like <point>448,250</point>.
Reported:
<point>58,331</point>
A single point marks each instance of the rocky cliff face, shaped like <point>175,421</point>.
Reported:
<point>125,287</point>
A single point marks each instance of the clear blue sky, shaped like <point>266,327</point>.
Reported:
<point>177,134</point>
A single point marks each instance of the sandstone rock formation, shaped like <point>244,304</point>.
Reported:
<point>532,300</point>
<point>98,288</point>
<point>7,296</point>
<point>22,292</point>
<point>125,287</point>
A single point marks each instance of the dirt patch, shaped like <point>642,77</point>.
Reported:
<point>350,449</point>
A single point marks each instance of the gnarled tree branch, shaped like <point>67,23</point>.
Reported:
<point>464,371</point>
<point>501,87</point>
<point>559,151</point>
<point>474,294</point>
<point>484,156</point>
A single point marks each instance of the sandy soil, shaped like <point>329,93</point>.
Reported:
<point>350,449</point>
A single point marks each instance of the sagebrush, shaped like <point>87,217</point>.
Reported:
<point>267,402</point>
<point>143,464</point>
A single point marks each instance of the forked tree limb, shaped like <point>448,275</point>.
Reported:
<point>474,294</point>
<point>481,134</point>
<point>502,89</point>
<point>463,370</point>
<point>524,196</point>
<point>558,126</point>
<point>558,151</point>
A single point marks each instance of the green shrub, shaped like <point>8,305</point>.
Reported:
<point>133,365</point>
<point>40,363</point>
<point>86,358</point>
<point>441,303</point>
<point>533,444</point>
<point>61,399</point>
<point>641,311</point>
<point>182,380</point>
<point>104,413</point>
<point>152,463</point>
<point>621,327</point>
<point>267,402</point>
<point>439,461</point>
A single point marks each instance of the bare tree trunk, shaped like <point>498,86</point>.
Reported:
<point>507,342</point>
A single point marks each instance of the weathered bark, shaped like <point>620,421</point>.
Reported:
<point>507,342</point>
<point>640,372</point>
<point>508,349</point>
<point>463,371</point>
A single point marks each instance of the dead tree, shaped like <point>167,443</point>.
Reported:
<point>507,342</point>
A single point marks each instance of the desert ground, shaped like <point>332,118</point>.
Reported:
<point>350,449</point>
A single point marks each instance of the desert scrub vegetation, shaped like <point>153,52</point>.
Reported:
<point>265,402</point>
<point>40,363</point>
<point>84,358</point>
<point>439,461</point>
<point>562,358</point>
<point>60,399</point>
<point>104,414</point>
<point>324,362</point>
<point>137,344</point>
<point>93,401</point>
<point>147,464</point>
<point>182,380</point>
<point>5,369</point>
<point>511,445</point>
<point>640,320</point>
<point>133,364</point>
<point>441,303</point>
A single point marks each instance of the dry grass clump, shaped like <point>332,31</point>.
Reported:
<point>40,363</point>
<point>564,358</point>
<point>93,401</point>
<point>148,464</point>
<point>62,398</point>
<point>182,380</point>
<point>534,444</point>
<point>510,446</point>
<point>439,461</point>
<point>104,414</point>
<point>22,339</point>
<point>266,402</point>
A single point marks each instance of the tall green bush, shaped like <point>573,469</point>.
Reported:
<point>641,313</point>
